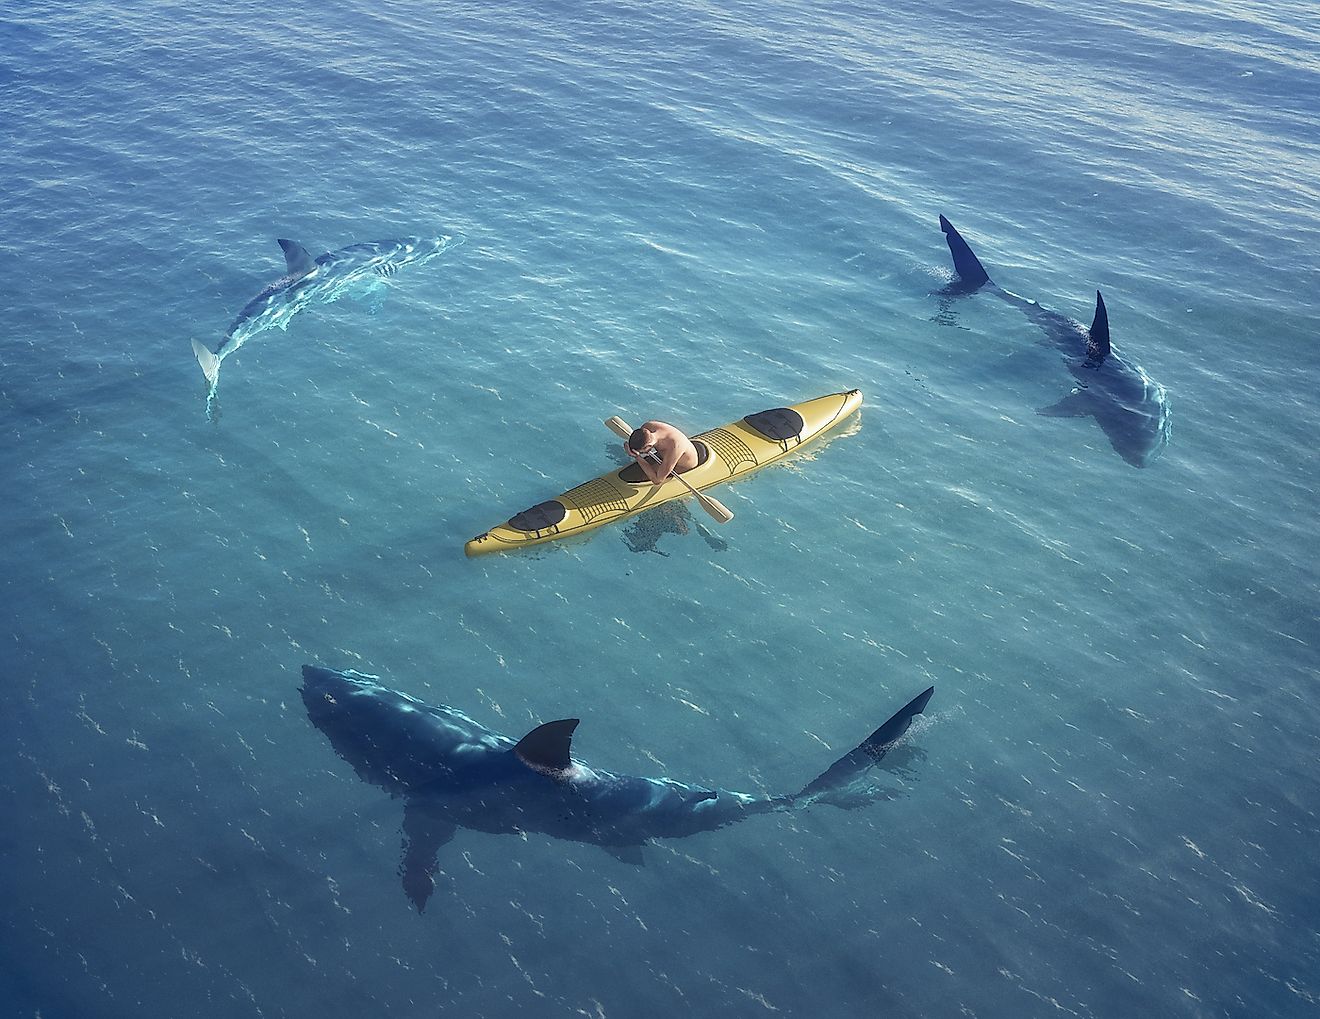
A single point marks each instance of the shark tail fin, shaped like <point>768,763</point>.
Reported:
<point>874,747</point>
<point>971,273</point>
<point>209,362</point>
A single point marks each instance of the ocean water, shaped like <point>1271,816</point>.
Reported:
<point>688,211</point>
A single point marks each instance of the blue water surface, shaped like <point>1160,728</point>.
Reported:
<point>689,211</point>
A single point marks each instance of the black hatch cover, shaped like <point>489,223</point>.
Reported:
<point>778,425</point>
<point>539,517</point>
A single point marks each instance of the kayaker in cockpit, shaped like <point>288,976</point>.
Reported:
<point>675,450</point>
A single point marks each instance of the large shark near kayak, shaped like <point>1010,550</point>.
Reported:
<point>308,280</point>
<point>1129,406</point>
<point>452,773</point>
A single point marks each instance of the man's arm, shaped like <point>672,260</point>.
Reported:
<point>651,470</point>
<point>665,448</point>
<point>669,458</point>
<point>668,461</point>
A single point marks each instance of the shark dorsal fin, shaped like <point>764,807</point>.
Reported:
<point>546,747</point>
<point>1097,340</point>
<point>297,257</point>
<point>970,271</point>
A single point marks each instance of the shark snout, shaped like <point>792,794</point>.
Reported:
<point>326,691</point>
<point>316,678</point>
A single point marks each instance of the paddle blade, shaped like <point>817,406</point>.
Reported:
<point>618,426</point>
<point>718,512</point>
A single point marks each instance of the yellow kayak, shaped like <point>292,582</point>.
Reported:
<point>724,454</point>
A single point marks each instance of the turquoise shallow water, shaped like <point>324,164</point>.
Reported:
<point>690,212</point>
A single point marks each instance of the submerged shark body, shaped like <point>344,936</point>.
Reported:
<point>454,773</point>
<point>322,279</point>
<point>1129,406</point>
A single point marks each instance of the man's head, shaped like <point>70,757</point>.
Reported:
<point>640,440</point>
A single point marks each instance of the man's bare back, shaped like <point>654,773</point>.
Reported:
<point>676,452</point>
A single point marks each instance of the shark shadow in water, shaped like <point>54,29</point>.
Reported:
<point>1129,406</point>
<point>454,773</point>
<point>645,530</point>
<point>309,280</point>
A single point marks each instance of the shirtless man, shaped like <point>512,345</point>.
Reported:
<point>676,452</point>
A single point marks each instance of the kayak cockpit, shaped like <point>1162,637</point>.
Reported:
<point>633,474</point>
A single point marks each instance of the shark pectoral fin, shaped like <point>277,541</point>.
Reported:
<point>423,835</point>
<point>298,259</point>
<point>631,855</point>
<point>546,748</point>
<point>1076,404</point>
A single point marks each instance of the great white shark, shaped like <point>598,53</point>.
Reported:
<point>323,279</point>
<point>1129,406</point>
<point>453,772</point>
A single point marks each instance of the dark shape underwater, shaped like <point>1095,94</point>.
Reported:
<point>645,530</point>
<point>452,773</point>
<point>1130,407</point>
